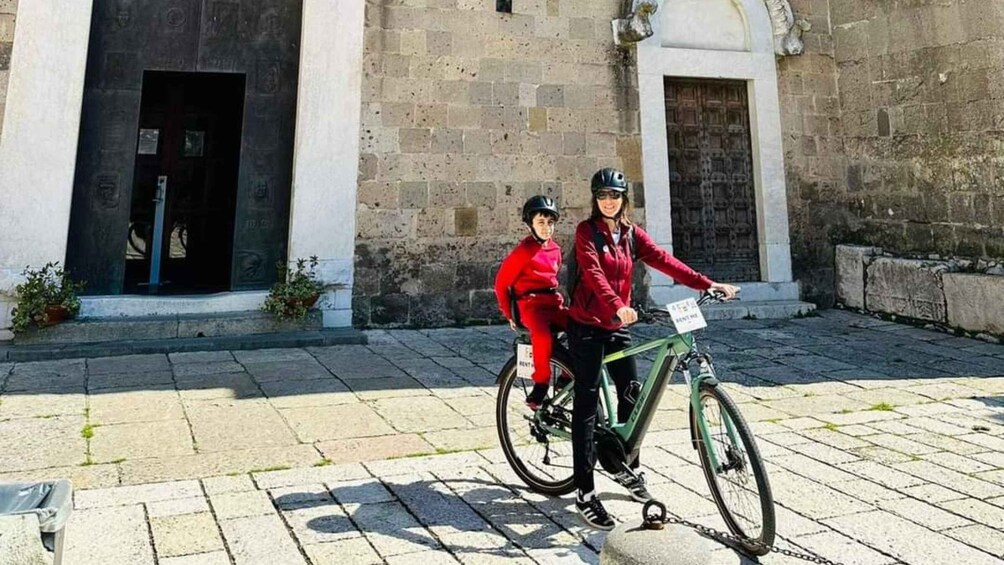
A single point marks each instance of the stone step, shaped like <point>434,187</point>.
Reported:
<point>766,310</point>
<point>98,330</point>
<point>21,353</point>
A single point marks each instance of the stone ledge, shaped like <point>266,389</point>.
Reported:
<point>930,290</point>
<point>96,330</point>
<point>314,338</point>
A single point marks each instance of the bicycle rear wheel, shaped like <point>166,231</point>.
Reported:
<point>739,485</point>
<point>542,460</point>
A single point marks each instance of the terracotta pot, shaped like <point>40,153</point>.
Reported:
<point>308,302</point>
<point>55,313</point>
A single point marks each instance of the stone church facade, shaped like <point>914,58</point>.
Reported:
<point>396,140</point>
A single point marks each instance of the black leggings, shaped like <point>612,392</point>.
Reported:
<point>588,345</point>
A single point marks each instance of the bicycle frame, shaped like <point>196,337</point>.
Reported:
<point>671,350</point>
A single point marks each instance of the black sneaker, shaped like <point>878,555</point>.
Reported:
<point>634,482</point>
<point>592,511</point>
<point>537,397</point>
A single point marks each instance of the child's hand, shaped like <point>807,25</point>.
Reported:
<point>512,325</point>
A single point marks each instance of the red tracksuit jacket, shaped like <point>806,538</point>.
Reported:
<point>605,283</point>
<point>530,266</point>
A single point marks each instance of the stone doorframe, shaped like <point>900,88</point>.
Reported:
<point>38,150</point>
<point>757,66</point>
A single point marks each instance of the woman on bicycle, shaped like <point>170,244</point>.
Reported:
<point>601,308</point>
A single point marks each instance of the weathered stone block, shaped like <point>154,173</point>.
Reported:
<point>975,302</point>
<point>850,263</point>
<point>447,141</point>
<point>389,309</point>
<point>432,309</point>
<point>413,194</point>
<point>906,287</point>
<point>431,115</point>
<point>466,221</point>
<point>480,194</point>
<point>464,117</point>
<point>538,119</point>
<point>414,140</point>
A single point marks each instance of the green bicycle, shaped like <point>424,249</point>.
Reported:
<point>538,444</point>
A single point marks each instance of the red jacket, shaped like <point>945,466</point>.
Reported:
<point>530,266</point>
<point>604,286</point>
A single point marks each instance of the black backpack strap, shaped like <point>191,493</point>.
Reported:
<point>514,307</point>
<point>601,241</point>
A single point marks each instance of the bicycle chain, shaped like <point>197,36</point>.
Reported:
<point>656,522</point>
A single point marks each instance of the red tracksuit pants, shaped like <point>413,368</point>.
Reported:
<point>541,314</point>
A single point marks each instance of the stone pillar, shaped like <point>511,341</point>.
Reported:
<point>38,144</point>
<point>326,150</point>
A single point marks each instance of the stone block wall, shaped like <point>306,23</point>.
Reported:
<point>815,164</point>
<point>7,10</point>
<point>467,112</point>
<point>920,89</point>
<point>958,293</point>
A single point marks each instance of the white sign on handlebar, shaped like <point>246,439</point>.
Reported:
<point>686,316</point>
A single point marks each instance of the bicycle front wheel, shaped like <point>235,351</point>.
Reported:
<point>541,459</point>
<point>738,482</point>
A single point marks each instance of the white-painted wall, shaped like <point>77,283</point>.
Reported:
<point>755,63</point>
<point>38,145</point>
<point>703,24</point>
<point>326,151</point>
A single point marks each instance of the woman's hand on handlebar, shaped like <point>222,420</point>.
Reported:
<point>627,315</point>
<point>724,291</point>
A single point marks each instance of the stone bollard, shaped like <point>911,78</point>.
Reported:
<point>631,544</point>
<point>20,543</point>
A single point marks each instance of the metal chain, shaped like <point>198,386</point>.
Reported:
<point>657,521</point>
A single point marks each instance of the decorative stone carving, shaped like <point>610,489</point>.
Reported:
<point>787,30</point>
<point>637,26</point>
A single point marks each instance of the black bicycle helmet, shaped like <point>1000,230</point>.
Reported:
<point>539,204</point>
<point>610,179</point>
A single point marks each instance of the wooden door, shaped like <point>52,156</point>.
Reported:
<point>711,178</point>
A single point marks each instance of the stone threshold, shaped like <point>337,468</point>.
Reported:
<point>307,338</point>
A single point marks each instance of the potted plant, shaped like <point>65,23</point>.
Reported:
<point>296,291</point>
<point>46,297</point>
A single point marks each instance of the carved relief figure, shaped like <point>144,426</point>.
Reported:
<point>787,30</point>
<point>637,26</point>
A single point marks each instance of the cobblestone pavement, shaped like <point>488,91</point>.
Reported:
<point>884,442</point>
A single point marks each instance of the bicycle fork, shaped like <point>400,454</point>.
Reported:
<point>706,374</point>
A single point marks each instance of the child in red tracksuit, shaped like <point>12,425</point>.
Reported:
<point>530,272</point>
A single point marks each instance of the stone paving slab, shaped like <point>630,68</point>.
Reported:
<point>355,450</point>
<point>185,534</point>
<point>260,539</point>
<point>140,440</point>
<point>109,535</point>
<point>44,405</point>
<point>222,425</point>
<point>876,435</point>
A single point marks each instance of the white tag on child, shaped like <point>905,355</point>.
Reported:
<point>524,361</point>
<point>686,316</point>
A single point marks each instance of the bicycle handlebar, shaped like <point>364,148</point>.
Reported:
<point>649,315</point>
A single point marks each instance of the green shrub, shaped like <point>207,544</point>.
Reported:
<point>296,291</point>
<point>41,291</point>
